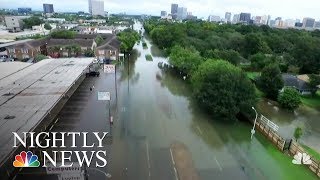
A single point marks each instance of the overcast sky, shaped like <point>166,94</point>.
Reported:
<point>201,8</point>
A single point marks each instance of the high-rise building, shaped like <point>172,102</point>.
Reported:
<point>317,25</point>
<point>163,13</point>
<point>308,22</point>
<point>236,19</point>
<point>182,13</point>
<point>289,23</point>
<point>24,10</point>
<point>48,8</point>
<point>90,6</point>
<point>245,17</point>
<point>227,16</point>
<point>97,8</point>
<point>213,18</point>
<point>174,11</point>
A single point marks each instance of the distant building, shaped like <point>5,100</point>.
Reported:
<point>14,23</point>
<point>245,17</point>
<point>163,13</point>
<point>48,8</point>
<point>182,13</point>
<point>190,16</point>
<point>308,22</point>
<point>298,83</point>
<point>236,19</point>
<point>317,25</point>
<point>272,23</point>
<point>257,20</point>
<point>298,24</point>
<point>289,23</point>
<point>227,16</point>
<point>174,10</point>
<point>97,8</point>
<point>24,10</point>
<point>213,18</point>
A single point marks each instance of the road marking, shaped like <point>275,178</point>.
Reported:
<point>148,158</point>
<point>172,157</point>
<point>218,163</point>
<point>199,130</point>
<point>175,173</point>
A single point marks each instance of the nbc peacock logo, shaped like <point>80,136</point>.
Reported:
<point>26,159</point>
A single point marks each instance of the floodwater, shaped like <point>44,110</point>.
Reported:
<point>304,117</point>
<point>152,110</point>
<point>155,110</point>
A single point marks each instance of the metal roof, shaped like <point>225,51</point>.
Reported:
<point>30,96</point>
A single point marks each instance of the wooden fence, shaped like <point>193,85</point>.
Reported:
<point>280,143</point>
<point>314,166</point>
<point>271,135</point>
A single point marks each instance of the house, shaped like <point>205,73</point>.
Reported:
<point>14,23</point>
<point>108,49</point>
<point>301,85</point>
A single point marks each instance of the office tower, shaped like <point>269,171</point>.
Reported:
<point>236,19</point>
<point>174,11</point>
<point>90,6</point>
<point>213,18</point>
<point>24,10</point>
<point>227,16</point>
<point>48,8</point>
<point>163,13</point>
<point>308,22</point>
<point>182,13</point>
<point>245,17</point>
<point>97,8</point>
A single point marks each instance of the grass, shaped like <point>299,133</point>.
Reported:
<point>149,57</point>
<point>283,163</point>
<point>312,101</point>
<point>311,152</point>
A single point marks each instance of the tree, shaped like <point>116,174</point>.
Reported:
<point>98,40</point>
<point>32,21</point>
<point>270,81</point>
<point>258,61</point>
<point>40,57</point>
<point>223,89</point>
<point>62,34</point>
<point>128,38</point>
<point>186,60</point>
<point>47,26</point>
<point>89,53</point>
<point>314,82</point>
<point>289,99</point>
<point>231,56</point>
<point>297,133</point>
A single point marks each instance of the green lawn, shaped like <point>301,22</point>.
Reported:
<point>312,101</point>
<point>311,152</point>
<point>284,167</point>
<point>149,57</point>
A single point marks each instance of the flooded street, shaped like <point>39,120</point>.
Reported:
<point>155,110</point>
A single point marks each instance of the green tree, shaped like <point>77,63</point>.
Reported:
<point>62,34</point>
<point>314,82</point>
<point>99,40</point>
<point>223,89</point>
<point>185,60</point>
<point>32,21</point>
<point>89,53</point>
<point>47,26</point>
<point>289,99</point>
<point>231,56</point>
<point>297,133</point>
<point>128,38</point>
<point>259,61</point>
<point>270,81</point>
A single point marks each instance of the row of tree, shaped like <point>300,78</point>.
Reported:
<point>292,49</point>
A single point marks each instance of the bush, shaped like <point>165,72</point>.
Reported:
<point>62,34</point>
<point>144,45</point>
<point>40,57</point>
<point>289,99</point>
<point>297,133</point>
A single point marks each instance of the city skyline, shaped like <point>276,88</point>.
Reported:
<point>203,8</point>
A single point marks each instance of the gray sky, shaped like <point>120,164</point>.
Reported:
<point>201,8</point>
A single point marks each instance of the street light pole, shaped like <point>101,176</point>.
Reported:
<point>254,124</point>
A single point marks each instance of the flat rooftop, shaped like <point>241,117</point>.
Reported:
<point>28,94</point>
